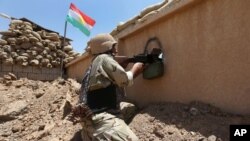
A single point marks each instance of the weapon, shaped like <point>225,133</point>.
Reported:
<point>153,60</point>
<point>154,56</point>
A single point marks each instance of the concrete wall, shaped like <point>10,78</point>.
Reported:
<point>77,68</point>
<point>207,45</point>
<point>31,72</point>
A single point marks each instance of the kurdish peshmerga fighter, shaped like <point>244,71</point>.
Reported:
<point>99,103</point>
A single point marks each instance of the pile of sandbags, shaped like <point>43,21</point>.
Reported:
<point>22,45</point>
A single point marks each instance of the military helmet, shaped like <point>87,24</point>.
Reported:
<point>101,43</point>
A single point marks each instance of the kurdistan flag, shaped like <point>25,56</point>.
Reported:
<point>80,20</point>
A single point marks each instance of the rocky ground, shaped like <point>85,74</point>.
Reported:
<point>184,122</point>
<point>35,110</point>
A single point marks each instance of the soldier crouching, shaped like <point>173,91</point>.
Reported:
<point>99,103</point>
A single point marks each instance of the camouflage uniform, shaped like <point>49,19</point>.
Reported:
<point>106,126</point>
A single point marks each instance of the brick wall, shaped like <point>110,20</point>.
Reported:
<point>31,72</point>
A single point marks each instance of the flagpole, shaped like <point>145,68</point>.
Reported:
<point>63,71</point>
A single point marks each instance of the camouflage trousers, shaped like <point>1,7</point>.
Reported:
<point>106,127</point>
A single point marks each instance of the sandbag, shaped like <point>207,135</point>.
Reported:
<point>33,39</point>
<point>11,41</point>
<point>39,57</point>
<point>25,45</point>
<point>16,22</point>
<point>45,62</point>
<point>148,15</point>
<point>22,45</point>
<point>3,55</point>
<point>34,53</point>
<point>21,59</point>
<point>52,36</point>
<point>36,35</point>
<point>7,48</point>
<point>52,46</point>
<point>14,54</point>
<point>27,24</point>
<point>34,62</point>
<point>8,33</point>
<point>3,42</point>
<point>68,48</point>
<point>152,8</point>
<point>8,61</point>
<point>39,44</point>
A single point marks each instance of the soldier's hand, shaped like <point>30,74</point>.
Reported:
<point>81,111</point>
<point>137,69</point>
<point>73,119</point>
<point>139,66</point>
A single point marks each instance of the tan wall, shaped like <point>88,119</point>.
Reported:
<point>76,69</point>
<point>207,47</point>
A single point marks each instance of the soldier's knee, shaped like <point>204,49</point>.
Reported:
<point>128,110</point>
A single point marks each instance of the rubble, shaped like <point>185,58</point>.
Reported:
<point>12,110</point>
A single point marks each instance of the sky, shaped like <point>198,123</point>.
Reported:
<point>51,14</point>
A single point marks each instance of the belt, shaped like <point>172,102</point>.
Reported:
<point>106,109</point>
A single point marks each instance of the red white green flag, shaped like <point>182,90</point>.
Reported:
<point>80,20</point>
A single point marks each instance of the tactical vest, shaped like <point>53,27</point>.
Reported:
<point>103,99</point>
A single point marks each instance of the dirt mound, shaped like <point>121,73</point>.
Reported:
<point>36,110</point>
<point>184,122</point>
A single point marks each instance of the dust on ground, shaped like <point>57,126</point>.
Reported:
<point>35,110</point>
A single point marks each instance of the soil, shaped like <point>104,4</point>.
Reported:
<point>35,110</point>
